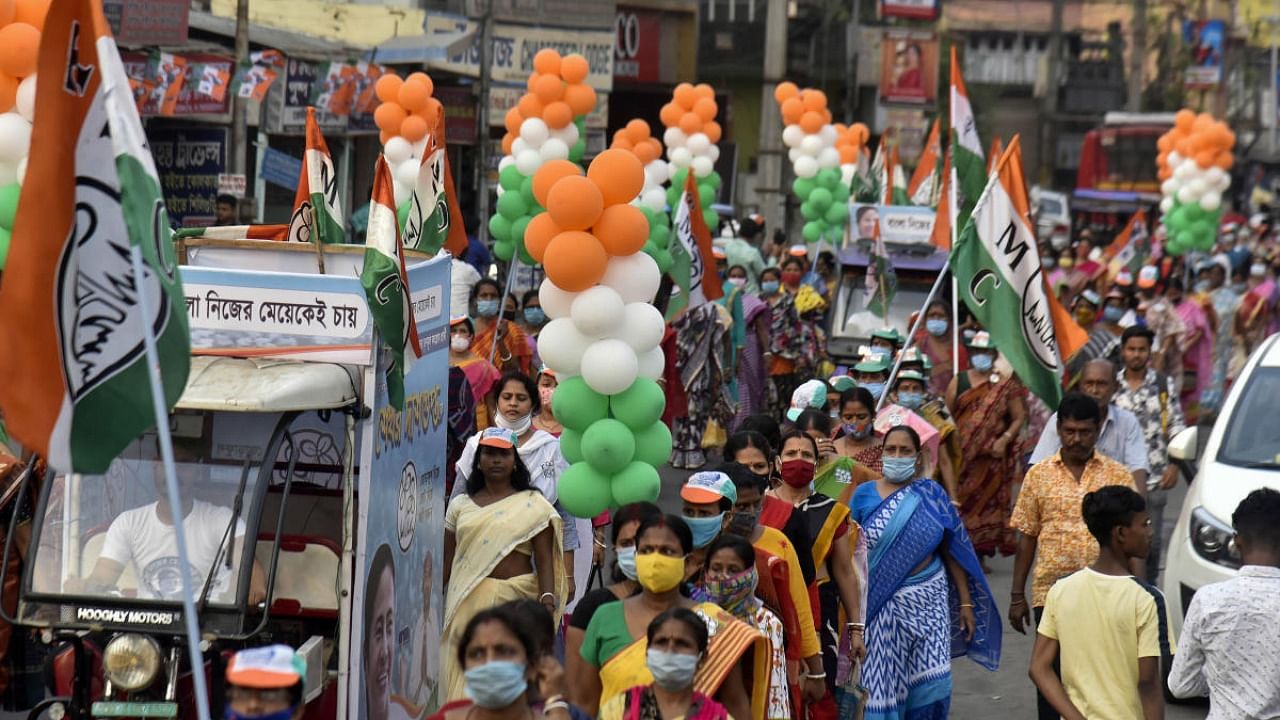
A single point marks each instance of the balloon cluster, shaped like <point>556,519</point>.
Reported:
<point>1194,160</point>
<point>405,115</point>
<point>21,22</point>
<point>547,125</point>
<point>811,141</point>
<point>636,138</point>
<point>604,334</point>
<point>691,136</point>
<point>851,142</point>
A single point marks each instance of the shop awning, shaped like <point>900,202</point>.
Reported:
<point>422,48</point>
<point>290,43</point>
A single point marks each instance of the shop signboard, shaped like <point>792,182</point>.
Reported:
<point>293,96</point>
<point>915,9</point>
<point>460,114</point>
<point>148,22</point>
<point>515,45</point>
<point>638,46</point>
<point>189,162</point>
<point>281,169</point>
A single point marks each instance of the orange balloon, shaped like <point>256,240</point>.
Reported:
<point>574,69</point>
<point>705,108</point>
<point>31,12</point>
<point>622,229</point>
<point>618,174</point>
<point>1226,160</point>
<point>581,98</point>
<point>387,88</point>
<point>549,88</point>
<point>670,114</point>
<point>690,123</point>
<point>413,96</point>
<point>574,261</point>
<point>1162,159</point>
<point>8,91</point>
<point>513,121</point>
<point>548,175</point>
<point>538,235</point>
<point>434,113</point>
<point>792,109</point>
<point>388,117</point>
<point>863,132</point>
<point>705,91</point>
<point>19,45</point>
<point>848,154</point>
<point>7,10</point>
<point>420,77</point>
<point>785,91</point>
<point>622,142</point>
<point>637,130</point>
<point>547,61</point>
<point>811,122</point>
<point>508,141</point>
<point>712,131</point>
<point>815,100</point>
<point>646,152</point>
<point>384,136</point>
<point>414,128</point>
<point>530,106</point>
<point>1184,119</point>
<point>685,96</point>
<point>574,203</point>
<point>558,115</point>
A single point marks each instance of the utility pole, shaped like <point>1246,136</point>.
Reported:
<point>1049,128</point>
<point>1272,107</point>
<point>769,163</point>
<point>482,118</point>
<point>851,61</point>
<point>1138,56</point>
<point>239,116</point>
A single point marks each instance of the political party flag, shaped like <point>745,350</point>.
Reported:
<point>941,234</point>
<point>1130,249</point>
<point>999,276</point>
<point>993,157</point>
<point>317,212</point>
<point>336,89</point>
<point>386,283</point>
<point>435,220</point>
<point>693,266</point>
<point>170,77</point>
<point>927,178</point>
<point>882,280</point>
<point>236,232</point>
<point>211,80</point>
<point>367,75</point>
<point>253,81</point>
<point>267,58</point>
<point>896,178</point>
<point>966,148</point>
<point>75,386</point>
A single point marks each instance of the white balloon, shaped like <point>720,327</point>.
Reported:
<point>642,326</point>
<point>713,152</point>
<point>1220,181</point>
<point>520,145</point>
<point>702,166</point>
<point>1213,175</point>
<point>609,366</point>
<point>26,101</point>
<point>401,192</point>
<point>1174,159</point>
<point>698,143</point>
<point>792,135</point>
<point>829,135</point>
<point>659,170</point>
<point>847,171</point>
<point>1210,201</point>
<point>8,173</point>
<point>1170,186</point>
<point>806,167</point>
<point>596,311</point>
<point>506,162</point>
<point>829,158</point>
<point>1166,204</point>
<point>397,151</point>
<point>21,170</point>
<point>528,162</point>
<point>792,154</point>
<point>652,363</point>
<point>555,302</point>
<point>674,137</point>
<point>655,199</point>
<point>811,145</point>
<point>419,148</point>
<point>496,188</point>
<point>554,149</point>
<point>407,173</point>
<point>567,134</point>
<point>15,137</point>
<point>534,131</point>
<point>1197,186</point>
<point>635,277</point>
<point>1185,196</point>
<point>561,346</point>
<point>681,157</point>
<point>1184,171</point>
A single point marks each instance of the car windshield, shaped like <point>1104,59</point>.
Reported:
<point>1253,436</point>
<point>1051,206</point>
<point>112,535</point>
<point>852,319</point>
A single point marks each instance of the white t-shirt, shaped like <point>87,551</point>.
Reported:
<point>139,537</point>
<point>462,277</point>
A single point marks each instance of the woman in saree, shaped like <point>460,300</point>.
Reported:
<point>836,475</point>
<point>751,335</point>
<point>911,391</point>
<point>501,543</point>
<point>481,374</point>
<point>1224,299</point>
<point>935,340</point>
<point>702,345</point>
<point>735,669</point>
<point>1197,346</point>
<point>514,351</point>
<point>856,437</point>
<point>989,410</point>
<point>793,345</point>
<point>928,600</point>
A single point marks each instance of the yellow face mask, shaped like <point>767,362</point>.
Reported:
<point>659,573</point>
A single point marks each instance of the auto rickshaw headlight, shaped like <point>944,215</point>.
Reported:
<point>131,661</point>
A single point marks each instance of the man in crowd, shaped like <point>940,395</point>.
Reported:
<point>265,682</point>
<point>1047,513</point>
<point>1150,396</point>
<point>224,210</point>
<point>1119,434</point>
<point>1230,644</point>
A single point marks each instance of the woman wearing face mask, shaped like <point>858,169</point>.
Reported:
<point>518,402</point>
<point>532,319</point>
<point>545,420</point>
<point>793,343</point>
<point>935,341</point>
<point>911,392</point>
<point>836,475</point>
<point>501,543</point>
<point>677,641</point>
<point>924,578</point>
<point>1104,333</point>
<point>504,667</point>
<point>618,658</point>
<point>513,351</point>
<point>481,374</point>
<point>856,436</point>
<point>751,335</point>
<point>872,373</point>
<point>990,411</point>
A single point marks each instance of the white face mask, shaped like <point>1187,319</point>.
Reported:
<point>519,426</point>
<point>459,344</point>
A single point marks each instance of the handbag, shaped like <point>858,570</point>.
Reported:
<point>714,436</point>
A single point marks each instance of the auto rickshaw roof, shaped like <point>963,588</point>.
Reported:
<point>262,385</point>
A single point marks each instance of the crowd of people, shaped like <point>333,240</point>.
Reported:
<point>830,556</point>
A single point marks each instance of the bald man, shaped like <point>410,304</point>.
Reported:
<point>1121,438</point>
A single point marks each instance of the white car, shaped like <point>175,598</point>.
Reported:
<point>1242,455</point>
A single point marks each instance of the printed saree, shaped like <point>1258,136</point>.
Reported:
<point>985,481</point>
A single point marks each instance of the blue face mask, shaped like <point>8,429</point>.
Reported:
<point>898,470</point>
<point>911,400</point>
<point>672,671</point>
<point>982,363</point>
<point>534,316</point>
<point>968,334</point>
<point>1112,313</point>
<point>627,561</point>
<point>769,287</point>
<point>486,308</point>
<point>875,388</point>
<point>1202,286</point>
<point>284,714</point>
<point>935,327</point>
<point>704,529</point>
<point>495,685</point>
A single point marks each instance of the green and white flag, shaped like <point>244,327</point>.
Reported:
<point>427,226</point>
<point>317,212</point>
<point>966,147</point>
<point>386,283</point>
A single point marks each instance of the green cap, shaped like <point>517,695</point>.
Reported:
<point>890,334</point>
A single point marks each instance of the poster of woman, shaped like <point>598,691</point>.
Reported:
<point>908,67</point>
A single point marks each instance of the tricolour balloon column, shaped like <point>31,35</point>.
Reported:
<point>851,143</point>
<point>603,338</point>
<point>811,140</point>
<point>691,136</point>
<point>636,138</point>
<point>405,115</point>
<point>546,125</point>
<point>1195,157</point>
<point>21,22</point>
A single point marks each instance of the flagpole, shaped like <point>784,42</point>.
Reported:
<point>915,328</point>
<point>952,209</point>
<point>502,306</point>
<point>171,485</point>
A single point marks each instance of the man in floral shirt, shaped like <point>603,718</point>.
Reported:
<point>1150,396</point>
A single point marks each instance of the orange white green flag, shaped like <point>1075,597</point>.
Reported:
<point>926,181</point>
<point>317,212</point>
<point>74,384</point>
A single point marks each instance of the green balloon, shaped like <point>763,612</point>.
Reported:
<point>809,211</point>
<point>840,193</point>
<point>660,236</point>
<point>510,178</point>
<point>500,228</point>
<point>812,231</point>
<point>640,405</point>
<point>837,214</point>
<point>678,179</point>
<point>673,194</point>
<point>504,250</point>
<point>828,177</point>
<point>512,206</point>
<point>802,187</point>
<point>571,445</point>
<point>714,180</point>
<point>577,406</point>
<point>706,195</point>
<point>711,218</point>
<point>5,237</point>
<point>637,482</point>
<point>664,261</point>
<point>1194,213</point>
<point>581,122</point>
<point>608,445</point>
<point>583,491</point>
<point>525,257</point>
<point>653,444</point>
<point>577,151</point>
<point>517,229</point>
<point>526,192</point>
<point>9,204</point>
<point>820,199</point>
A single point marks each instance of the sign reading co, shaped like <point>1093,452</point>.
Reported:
<point>636,49</point>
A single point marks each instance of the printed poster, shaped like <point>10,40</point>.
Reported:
<point>908,67</point>
<point>1203,40</point>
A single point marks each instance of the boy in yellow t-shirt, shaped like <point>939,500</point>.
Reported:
<point>1108,628</point>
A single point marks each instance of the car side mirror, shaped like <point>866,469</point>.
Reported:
<point>1185,444</point>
